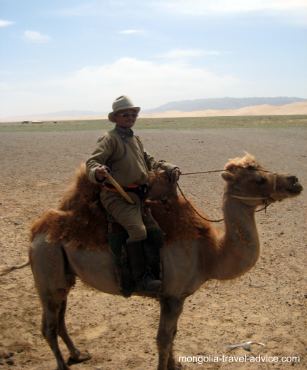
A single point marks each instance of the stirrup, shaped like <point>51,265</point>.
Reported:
<point>149,284</point>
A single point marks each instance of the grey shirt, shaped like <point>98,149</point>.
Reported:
<point>124,154</point>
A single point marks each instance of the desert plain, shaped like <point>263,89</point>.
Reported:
<point>267,305</point>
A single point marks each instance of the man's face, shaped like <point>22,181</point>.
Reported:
<point>126,118</point>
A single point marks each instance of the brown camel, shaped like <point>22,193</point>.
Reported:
<point>71,242</point>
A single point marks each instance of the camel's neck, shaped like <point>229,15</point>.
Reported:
<point>238,248</point>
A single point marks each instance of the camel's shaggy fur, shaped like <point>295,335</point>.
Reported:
<point>242,162</point>
<point>81,220</point>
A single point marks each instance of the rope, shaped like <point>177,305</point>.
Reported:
<point>213,171</point>
<point>196,173</point>
<point>184,197</point>
<point>195,210</point>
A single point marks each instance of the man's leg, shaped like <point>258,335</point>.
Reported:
<point>130,217</point>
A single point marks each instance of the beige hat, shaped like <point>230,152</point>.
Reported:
<point>122,103</point>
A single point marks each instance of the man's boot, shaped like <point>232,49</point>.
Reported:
<point>144,280</point>
<point>117,239</point>
<point>152,246</point>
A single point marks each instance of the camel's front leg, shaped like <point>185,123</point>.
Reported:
<point>171,309</point>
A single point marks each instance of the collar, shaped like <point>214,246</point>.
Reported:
<point>124,132</point>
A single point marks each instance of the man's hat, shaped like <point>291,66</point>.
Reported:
<point>122,103</point>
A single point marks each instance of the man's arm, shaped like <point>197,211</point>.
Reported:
<point>96,165</point>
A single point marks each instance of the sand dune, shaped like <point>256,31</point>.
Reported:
<point>256,110</point>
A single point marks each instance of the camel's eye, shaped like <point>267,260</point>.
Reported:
<point>251,167</point>
<point>261,180</point>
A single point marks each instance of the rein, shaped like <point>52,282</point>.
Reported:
<point>194,209</point>
<point>196,173</point>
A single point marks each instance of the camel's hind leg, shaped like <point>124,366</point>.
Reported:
<point>53,281</point>
<point>50,327</point>
<point>171,309</point>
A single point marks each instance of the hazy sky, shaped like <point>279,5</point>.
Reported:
<point>81,54</point>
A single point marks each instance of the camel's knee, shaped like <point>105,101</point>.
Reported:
<point>50,319</point>
<point>164,339</point>
<point>49,329</point>
<point>166,334</point>
<point>171,308</point>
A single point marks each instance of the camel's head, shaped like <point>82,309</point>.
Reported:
<point>248,181</point>
<point>160,186</point>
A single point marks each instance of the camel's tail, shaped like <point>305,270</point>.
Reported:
<point>12,268</point>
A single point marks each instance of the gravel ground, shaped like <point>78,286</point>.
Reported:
<point>266,305</point>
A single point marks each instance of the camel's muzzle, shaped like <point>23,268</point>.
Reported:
<point>294,186</point>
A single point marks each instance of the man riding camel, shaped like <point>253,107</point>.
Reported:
<point>120,153</point>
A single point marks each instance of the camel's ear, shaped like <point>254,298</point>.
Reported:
<point>227,176</point>
<point>162,174</point>
<point>159,172</point>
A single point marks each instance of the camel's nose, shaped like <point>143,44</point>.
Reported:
<point>293,185</point>
<point>292,179</point>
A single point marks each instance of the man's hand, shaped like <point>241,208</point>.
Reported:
<point>101,172</point>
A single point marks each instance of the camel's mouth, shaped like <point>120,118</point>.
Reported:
<point>291,189</point>
<point>293,186</point>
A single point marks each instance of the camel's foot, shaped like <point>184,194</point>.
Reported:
<point>80,357</point>
<point>64,367</point>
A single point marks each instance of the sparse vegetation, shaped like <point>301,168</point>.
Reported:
<point>181,123</point>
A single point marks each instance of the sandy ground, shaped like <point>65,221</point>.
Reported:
<point>266,305</point>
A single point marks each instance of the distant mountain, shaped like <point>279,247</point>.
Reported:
<point>222,103</point>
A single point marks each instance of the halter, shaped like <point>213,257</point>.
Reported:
<point>265,199</point>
